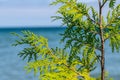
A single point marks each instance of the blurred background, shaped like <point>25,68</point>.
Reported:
<point>35,15</point>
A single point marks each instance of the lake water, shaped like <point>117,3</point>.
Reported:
<point>12,66</point>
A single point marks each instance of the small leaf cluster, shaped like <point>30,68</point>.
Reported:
<point>112,29</point>
<point>37,45</point>
<point>112,3</point>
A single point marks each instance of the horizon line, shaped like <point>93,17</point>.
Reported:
<point>5,27</point>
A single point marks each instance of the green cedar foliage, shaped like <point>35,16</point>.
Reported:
<point>52,64</point>
<point>82,37</point>
<point>88,29</point>
<point>82,27</point>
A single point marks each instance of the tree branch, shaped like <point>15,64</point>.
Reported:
<point>111,35</point>
<point>103,4</point>
<point>72,69</point>
<point>110,22</point>
<point>99,2</point>
<point>92,20</point>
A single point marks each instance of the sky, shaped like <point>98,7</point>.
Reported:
<point>29,12</point>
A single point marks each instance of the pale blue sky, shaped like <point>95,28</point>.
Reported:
<point>29,12</point>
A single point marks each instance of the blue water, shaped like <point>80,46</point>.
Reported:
<point>12,66</point>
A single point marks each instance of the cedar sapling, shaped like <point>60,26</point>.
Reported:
<point>85,35</point>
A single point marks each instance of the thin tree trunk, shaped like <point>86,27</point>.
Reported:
<point>102,43</point>
<point>102,55</point>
